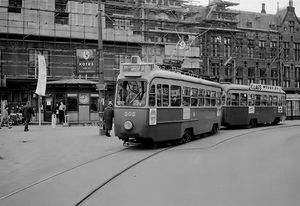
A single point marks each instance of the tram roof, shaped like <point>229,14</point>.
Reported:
<point>263,88</point>
<point>178,76</point>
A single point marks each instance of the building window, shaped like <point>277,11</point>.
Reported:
<point>250,49</point>
<point>72,102</point>
<point>286,72</point>
<point>15,6</point>
<point>286,50</point>
<point>214,69</point>
<point>201,52</point>
<point>61,14</point>
<point>239,81</point>
<point>297,51</point>
<point>33,67</point>
<point>263,72</point>
<point>286,83</point>
<point>123,22</point>
<point>263,81</point>
<point>227,46</point>
<point>251,72</point>
<point>251,81</point>
<point>292,26</point>
<point>274,82</point>
<point>274,73</point>
<point>297,72</point>
<point>238,50</point>
<point>214,45</point>
<point>273,49</point>
<point>262,49</point>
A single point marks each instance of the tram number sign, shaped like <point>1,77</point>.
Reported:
<point>130,114</point>
<point>279,109</point>
<point>251,110</point>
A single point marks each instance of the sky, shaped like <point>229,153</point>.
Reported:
<point>256,5</point>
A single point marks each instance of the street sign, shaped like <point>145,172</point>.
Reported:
<point>101,87</point>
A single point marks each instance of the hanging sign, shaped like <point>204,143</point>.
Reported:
<point>86,61</point>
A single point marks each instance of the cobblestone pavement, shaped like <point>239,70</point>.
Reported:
<point>26,157</point>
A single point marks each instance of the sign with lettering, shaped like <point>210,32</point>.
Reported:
<point>262,87</point>
<point>86,61</point>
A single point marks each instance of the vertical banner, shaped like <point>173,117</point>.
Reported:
<point>42,78</point>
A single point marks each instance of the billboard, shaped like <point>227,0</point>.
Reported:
<point>86,61</point>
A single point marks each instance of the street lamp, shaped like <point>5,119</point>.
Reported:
<point>100,70</point>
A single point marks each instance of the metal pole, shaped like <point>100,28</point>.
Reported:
<point>100,69</point>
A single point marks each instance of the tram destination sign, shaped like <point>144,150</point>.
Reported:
<point>262,87</point>
<point>134,68</point>
<point>86,61</point>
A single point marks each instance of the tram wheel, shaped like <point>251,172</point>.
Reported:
<point>276,121</point>
<point>214,129</point>
<point>251,124</point>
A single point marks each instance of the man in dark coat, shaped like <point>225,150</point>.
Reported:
<point>108,119</point>
<point>27,114</point>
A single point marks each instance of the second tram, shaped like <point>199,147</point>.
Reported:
<point>156,105</point>
<point>252,105</point>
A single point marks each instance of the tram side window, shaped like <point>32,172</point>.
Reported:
<point>280,101</point>
<point>186,96</point>
<point>243,100</point>
<point>283,100</point>
<point>264,100</point>
<point>218,98</point>
<point>175,96</point>
<point>152,96</point>
<point>269,101</point>
<point>257,99</point>
<point>158,96</point>
<point>207,98</point>
<point>165,99</point>
<point>275,101</point>
<point>201,97</point>
<point>251,99</point>
<point>228,100</point>
<point>213,96</point>
<point>194,99</point>
<point>235,99</point>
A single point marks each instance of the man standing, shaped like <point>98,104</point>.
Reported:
<point>108,119</point>
<point>27,114</point>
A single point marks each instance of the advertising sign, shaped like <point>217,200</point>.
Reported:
<point>86,61</point>
<point>42,78</point>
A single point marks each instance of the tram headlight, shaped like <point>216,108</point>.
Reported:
<point>128,125</point>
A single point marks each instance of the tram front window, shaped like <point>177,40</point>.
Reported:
<point>131,93</point>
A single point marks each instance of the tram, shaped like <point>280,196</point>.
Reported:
<point>252,105</point>
<point>156,105</point>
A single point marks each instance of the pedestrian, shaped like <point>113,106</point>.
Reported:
<point>61,112</point>
<point>27,114</point>
<point>5,118</point>
<point>56,112</point>
<point>108,119</point>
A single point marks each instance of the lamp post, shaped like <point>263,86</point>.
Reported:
<point>100,70</point>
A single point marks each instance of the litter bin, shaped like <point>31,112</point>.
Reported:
<point>53,120</point>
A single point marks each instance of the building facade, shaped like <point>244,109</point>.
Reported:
<point>215,42</point>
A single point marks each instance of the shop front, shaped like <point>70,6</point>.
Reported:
<point>78,95</point>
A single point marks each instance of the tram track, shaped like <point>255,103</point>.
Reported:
<point>114,177</point>
<point>117,174</point>
<point>59,173</point>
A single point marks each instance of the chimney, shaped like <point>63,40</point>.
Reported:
<point>263,10</point>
